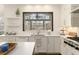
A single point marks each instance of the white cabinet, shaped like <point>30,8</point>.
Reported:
<point>75,8</point>
<point>41,44</point>
<point>75,19</point>
<point>51,44</point>
<point>75,15</point>
<point>48,44</point>
<point>31,38</point>
<point>54,44</point>
<point>13,24</point>
<point>10,39</point>
<point>21,38</point>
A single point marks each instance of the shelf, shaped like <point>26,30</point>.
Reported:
<point>76,10</point>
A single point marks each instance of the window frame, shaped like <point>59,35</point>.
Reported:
<point>37,20</point>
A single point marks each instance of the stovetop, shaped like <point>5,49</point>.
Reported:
<point>74,38</point>
<point>73,42</point>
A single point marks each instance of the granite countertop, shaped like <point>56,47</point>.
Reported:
<point>71,42</point>
<point>30,34</point>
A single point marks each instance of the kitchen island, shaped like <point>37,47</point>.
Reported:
<point>44,43</point>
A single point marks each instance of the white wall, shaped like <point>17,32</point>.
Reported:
<point>66,15</point>
<point>11,9</point>
<point>1,9</point>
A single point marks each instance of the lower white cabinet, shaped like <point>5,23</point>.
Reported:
<point>49,44</point>
<point>31,39</point>
<point>21,39</point>
<point>54,44</point>
<point>41,44</point>
<point>10,39</point>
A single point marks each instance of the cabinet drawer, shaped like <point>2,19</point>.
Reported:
<point>54,44</point>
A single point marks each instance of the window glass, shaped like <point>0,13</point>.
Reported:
<point>47,25</point>
<point>27,25</point>
<point>37,20</point>
<point>37,25</point>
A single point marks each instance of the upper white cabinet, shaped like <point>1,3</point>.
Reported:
<point>75,8</point>
<point>66,15</point>
<point>75,15</point>
<point>13,24</point>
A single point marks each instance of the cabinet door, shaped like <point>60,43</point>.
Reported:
<point>62,45</point>
<point>22,38</point>
<point>11,39</point>
<point>57,44</point>
<point>51,45</point>
<point>41,44</point>
<point>32,38</point>
<point>54,44</point>
<point>75,19</point>
<point>43,47</point>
